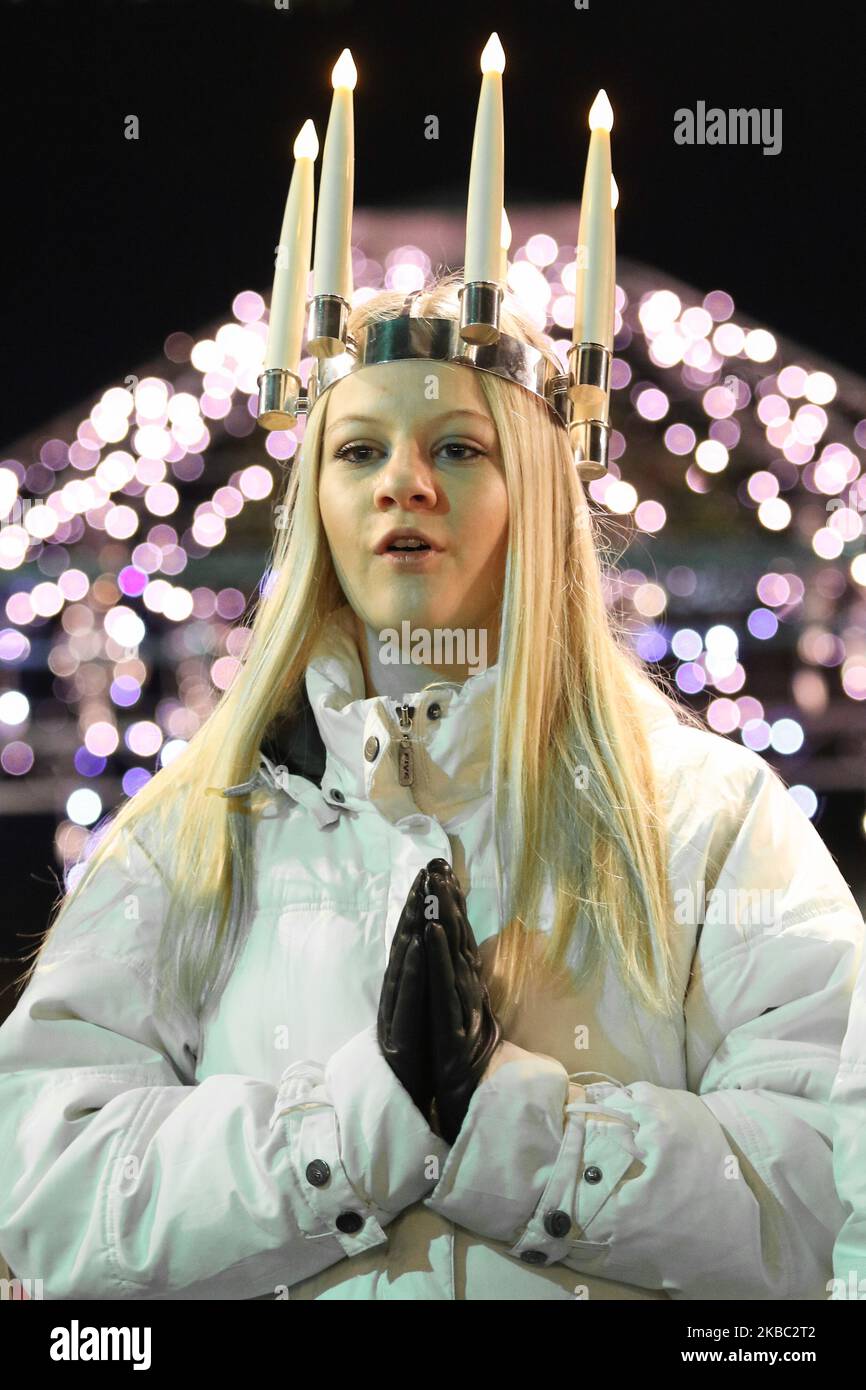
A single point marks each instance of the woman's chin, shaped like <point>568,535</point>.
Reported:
<point>414,609</point>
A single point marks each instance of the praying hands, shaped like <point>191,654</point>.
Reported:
<point>436,1026</point>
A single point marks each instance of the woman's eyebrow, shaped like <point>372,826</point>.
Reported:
<point>374,420</point>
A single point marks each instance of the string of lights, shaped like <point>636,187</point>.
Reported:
<point>108,537</point>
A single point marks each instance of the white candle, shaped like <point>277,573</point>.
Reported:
<point>337,186</point>
<point>593,319</point>
<point>614,199</point>
<point>483,259</point>
<point>504,242</point>
<point>289,297</point>
<point>350,282</point>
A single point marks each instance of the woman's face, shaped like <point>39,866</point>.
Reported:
<point>393,458</point>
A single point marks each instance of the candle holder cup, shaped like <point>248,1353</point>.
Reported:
<point>280,398</point>
<point>589,440</point>
<point>327,324</point>
<point>479,311</point>
<point>589,407</point>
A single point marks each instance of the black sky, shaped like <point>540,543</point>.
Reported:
<point>112,244</point>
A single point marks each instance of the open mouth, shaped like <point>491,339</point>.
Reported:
<point>409,557</point>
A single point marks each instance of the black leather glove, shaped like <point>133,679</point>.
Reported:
<point>403,1029</point>
<point>465,1031</point>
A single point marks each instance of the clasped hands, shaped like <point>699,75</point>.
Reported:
<point>436,1027</point>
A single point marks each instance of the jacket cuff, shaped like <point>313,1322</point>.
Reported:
<point>533,1165</point>
<point>361,1150</point>
<point>597,1150</point>
<point>507,1150</point>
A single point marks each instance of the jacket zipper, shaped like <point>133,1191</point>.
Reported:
<point>404,752</point>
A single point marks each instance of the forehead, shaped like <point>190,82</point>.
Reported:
<point>409,391</point>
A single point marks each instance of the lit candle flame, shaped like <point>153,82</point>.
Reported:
<point>493,57</point>
<point>601,112</point>
<point>345,73</point>
<point>306,144</point>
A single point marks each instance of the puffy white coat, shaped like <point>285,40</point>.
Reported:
<point>848,1100</point>
<point>272,1152</point>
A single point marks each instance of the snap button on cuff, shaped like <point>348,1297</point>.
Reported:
<point>533,1257</point>
<point>371,749</point>
<point>318,1172</point>
<point>557,1224</point>
<point>336,795</point>
<point>593,1174</point>
<point>349,1222</point>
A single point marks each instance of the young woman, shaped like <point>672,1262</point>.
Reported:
<point>492,976</point>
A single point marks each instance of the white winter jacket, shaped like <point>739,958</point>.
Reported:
<point>273,1153</point>
<point>848,1099</point>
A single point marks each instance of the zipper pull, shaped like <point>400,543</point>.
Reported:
<point>404,752</point>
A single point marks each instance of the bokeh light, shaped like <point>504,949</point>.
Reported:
<point>736,481</point>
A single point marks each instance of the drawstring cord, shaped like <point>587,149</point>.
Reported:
<point>298,1074</point>
<point>278,777</point>
<point>240,789</point>
<point>592,1107</point>
<point>611,1079</point>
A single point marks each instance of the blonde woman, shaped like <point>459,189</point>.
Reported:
<point>495,975</point>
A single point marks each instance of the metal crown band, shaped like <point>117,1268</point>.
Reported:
<point>406,337</point>
<point>577,399</point>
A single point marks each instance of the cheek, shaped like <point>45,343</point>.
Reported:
<point>334,512</point>
<point>324,498</point>
<point>487,514</point>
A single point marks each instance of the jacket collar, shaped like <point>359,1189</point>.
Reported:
<point>348,742</point>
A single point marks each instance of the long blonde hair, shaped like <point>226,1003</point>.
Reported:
<point>574,791</point>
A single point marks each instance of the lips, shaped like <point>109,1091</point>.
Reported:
<point>401,533</point>
<point>410,560</point>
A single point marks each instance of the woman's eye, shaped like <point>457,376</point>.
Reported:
<point>470,447</point>
<point>348,449</point>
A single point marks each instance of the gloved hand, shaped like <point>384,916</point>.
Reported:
<point>402,1027</point>
<point>463,1028</point>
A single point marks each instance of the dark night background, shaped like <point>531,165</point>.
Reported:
<point>112,244</point>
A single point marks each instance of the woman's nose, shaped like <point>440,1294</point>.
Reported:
<point>407,474</point>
